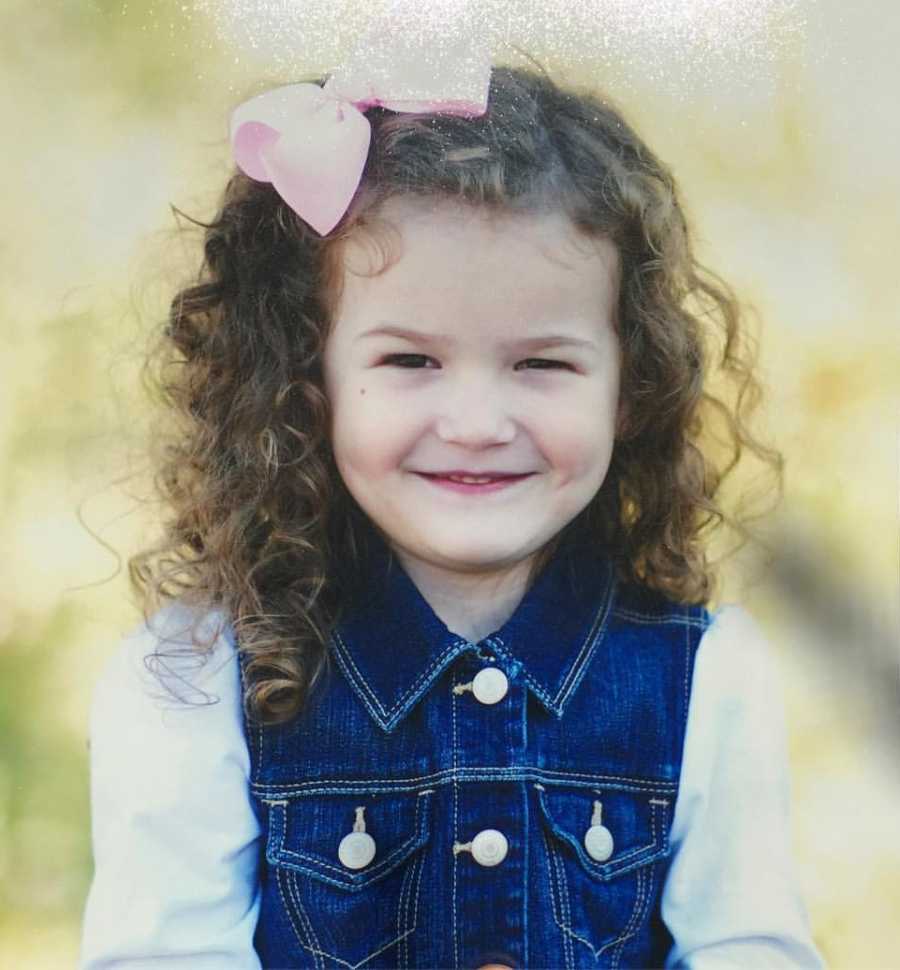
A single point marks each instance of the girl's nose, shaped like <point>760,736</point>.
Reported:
<point>476,426</point>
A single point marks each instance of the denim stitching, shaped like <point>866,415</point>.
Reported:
<point>375,953</point>
<point>418,889</point>
<point>552,704</point>
<point>556,705</point>
<point>411,920</point>
<point>527,823</point>
<point>568,933</point>
<point>315,946</point>
<point>619,942</point>
<point>633,920</point>
<point>564,904</point>
<point>654,836</point>
<point>259,754</point>
<point>622,613</point>
<point>297,910</point>
<point>482,773</point>
<point>388,716</point>
<point>637,913</point>
<point>403,921</point>
<point>279,875</point>
<point>649,880</point>
<point>317,950</point>
<point>453,735</point>
<point>563,891</point>
<point>312,936</point>
<point>277,824</point>
<point>366,958</point>
<point>614,868</point>
<point>392,858</point>
<point>344,658</point>
<point>622,857</point>
<point>598,630</point>
<point>642,848</point>
<point>403,949</point>
<point>645,881</point>
<point>498,645</point>
<point>279,831</point>
<point>551,878</point>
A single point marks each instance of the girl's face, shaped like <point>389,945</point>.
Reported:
<point>478,388</point>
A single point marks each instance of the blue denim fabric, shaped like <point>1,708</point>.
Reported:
<point>599,678</point>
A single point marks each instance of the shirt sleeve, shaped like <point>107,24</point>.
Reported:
<point>175,837</point>
<point>732,897</point>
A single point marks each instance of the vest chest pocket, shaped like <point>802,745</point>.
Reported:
<point>601,847</point>
<point>348,870</point>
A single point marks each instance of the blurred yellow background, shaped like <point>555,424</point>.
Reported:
<point>778,118</point>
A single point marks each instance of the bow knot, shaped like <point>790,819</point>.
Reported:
<point>312,142</point>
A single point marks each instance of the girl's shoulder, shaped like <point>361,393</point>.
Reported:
<point>729,639</point>
<point>737,668</point>
<point>181,657</point>
<point>727,622</point>
<point>732,623</point>
<point>641,604</point>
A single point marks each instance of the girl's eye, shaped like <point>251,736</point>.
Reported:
<point>397,358</point>
<point>552,363</point>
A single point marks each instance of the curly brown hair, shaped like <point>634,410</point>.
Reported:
<point>261,522</point>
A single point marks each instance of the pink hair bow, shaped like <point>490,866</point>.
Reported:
<point>312,142</point>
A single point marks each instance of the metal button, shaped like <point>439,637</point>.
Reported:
<point>490,685</point>
<point>598,841</point>
<point>357,849</point>
<point>489,847</point>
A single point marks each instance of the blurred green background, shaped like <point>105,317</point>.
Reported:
<point>779,118</point>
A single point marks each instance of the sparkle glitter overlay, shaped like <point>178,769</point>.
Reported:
<point>670,42</point>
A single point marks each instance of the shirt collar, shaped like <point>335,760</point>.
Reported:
<point>391,646</point>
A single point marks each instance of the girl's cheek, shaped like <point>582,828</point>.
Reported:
<point>379,410</point>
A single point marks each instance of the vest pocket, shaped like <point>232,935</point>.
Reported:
<point>600,846</point>
<point>350,901</point>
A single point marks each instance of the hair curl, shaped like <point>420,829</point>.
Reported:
<point>261,523</point>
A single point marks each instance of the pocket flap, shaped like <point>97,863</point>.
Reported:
<point>305,833</point>
<point>637,822</point>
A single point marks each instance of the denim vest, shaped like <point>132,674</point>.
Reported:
<point>442,803</point>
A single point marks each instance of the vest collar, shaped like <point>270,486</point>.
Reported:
<point>391,646</point>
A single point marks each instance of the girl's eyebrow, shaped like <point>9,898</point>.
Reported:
<point>545,340</point>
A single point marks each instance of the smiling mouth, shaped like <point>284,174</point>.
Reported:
<point>473,488</point>
<point>486,477</point>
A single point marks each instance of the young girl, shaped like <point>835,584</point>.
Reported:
<point>426,676</point>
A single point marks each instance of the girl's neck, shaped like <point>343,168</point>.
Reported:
<point>471,605</point>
